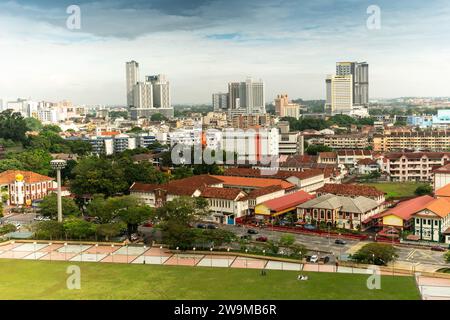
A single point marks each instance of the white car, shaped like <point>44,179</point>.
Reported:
<point>18,225</point>
<point>314,258</point>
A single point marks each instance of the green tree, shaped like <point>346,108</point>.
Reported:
<point>132,212</point>
<point>314,149</point>
<point>447,256</point>
<point>109,230</point>
<point>49,206</point>
<point>423,190</point>
<point>49,230</point>
<point>98,175</point>
<point>158,117</point>
<point>286,240</point>
<point>12,126</point>
<point>10,164</point>
<point>36,160</point>
<point>143,172</point>
<point>33,124</point>
<point>7,228</point>
<point>76,228</point>
<point>182,172</point>
<point>375,253</point>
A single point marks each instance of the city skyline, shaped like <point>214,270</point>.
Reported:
<point>291,45</point>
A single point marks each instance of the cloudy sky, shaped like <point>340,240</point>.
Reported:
<point>203,44</point>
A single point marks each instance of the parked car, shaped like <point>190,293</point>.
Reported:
<point>326,259</point>
<point>211,226</point>
<point>246,237</point>
<point>261,239</point>
<point>309,227</point>
<point>252,231</point>
<point>340,241</point>
<point>438,248</point>
<point>201,226</point>
<point>148,225</point>
<point>314,259</point>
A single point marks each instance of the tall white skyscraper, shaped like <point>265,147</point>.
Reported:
<point>339,94</point>
<point>246,97</point>
<point>143,95</point>
<point>132,76</point>
<point>220,101</point>
<point>161,91</point>
<point>360,80</point>
<point>149,97</point>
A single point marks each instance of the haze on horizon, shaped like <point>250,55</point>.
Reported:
<point>201,45</point>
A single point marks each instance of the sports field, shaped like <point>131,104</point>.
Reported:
<point>21,279</point>
<point>396,189</point>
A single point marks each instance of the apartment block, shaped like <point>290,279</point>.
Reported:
<point>414,166</point>
<point>425,140</point>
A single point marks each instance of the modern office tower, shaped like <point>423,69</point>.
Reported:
<point>339,94</point>
<point>285,108</point>
<point>143,95</point>
<point>132,76</point>
<point>220,101</point>
<point>246,97</point>
<point>360,74</point>
<point>161,91</point>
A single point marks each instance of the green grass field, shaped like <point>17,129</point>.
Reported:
<point>396,189</point>
<point>21,279</point>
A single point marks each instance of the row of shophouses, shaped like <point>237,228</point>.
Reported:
<point>311,197</point>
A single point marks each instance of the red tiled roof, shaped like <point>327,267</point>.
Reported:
<point>9,176</point>
<point>350,190</point>
<point>443,169</point>
<point>443,192</point>
<point>353,152</point>
<point>253,182</point>
<point>288,201</point>
<point>277,174</point>
<point>440,207</point>
<point>367,161</point>
<point>263,191</point>
<point>327,154</point>
<point>186,186</point>
<point>221,193</point>
<point>406,208</point>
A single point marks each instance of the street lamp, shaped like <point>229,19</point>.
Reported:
<point>58,165</point>
<point>112,253</point>
<point>35,249</point>
<point>210,256</point>
<point>65,251</point>
<point>246,259</point>
<point>228,257</point>
<point>96,252</point>
<point>50,245</point>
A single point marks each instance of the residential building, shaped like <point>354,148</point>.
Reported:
<point>368,166</point>
<point>345,141</point>
<point>413,166</point>
<point>285,108</point>
<point>432,221</point>
<point>290,143</point>
<point>22,188</point>
<point>156,195</point>
<point>225,204</point>
<point>441,177</point>
<point>251,145</point>
<point>338,211</point>
<point>442,119</point>
<point>257,196</point>
<point>132,78</point>
<point>249,121</point>
<point>246,97</point>
<point>423,140</point>
<point>220,101</point>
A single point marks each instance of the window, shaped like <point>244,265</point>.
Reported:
<point>435,222</point>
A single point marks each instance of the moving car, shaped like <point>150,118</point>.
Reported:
<point>314,258</point>
<point>261,239</point>
<point>211,226</point>
<point>437,248</point>
<point>340,241</point>
<point>201,226</point>
<point>252,231</point>
<point>309,227</point>
<point>246,237</point>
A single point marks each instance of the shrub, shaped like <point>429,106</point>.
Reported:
<point>375,253</point>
